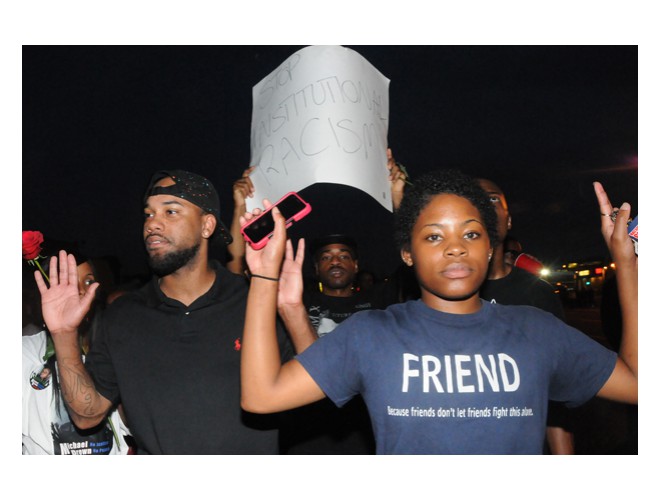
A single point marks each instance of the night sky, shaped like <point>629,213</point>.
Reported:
<point>543,122</point>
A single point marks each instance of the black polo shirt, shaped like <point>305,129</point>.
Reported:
<point>176,369</point>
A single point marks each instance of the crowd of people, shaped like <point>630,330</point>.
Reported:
<point>251,357</point>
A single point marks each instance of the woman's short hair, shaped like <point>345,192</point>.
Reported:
<point>435,183</point>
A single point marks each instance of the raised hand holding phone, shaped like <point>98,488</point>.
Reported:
<point>266,261</point>
<point>275,267</point>
<point>259,229</point>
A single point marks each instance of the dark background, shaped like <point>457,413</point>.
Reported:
<point>543,122</point>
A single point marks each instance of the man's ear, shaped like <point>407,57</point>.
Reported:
<point>508,223</point>
<point>406,257</point>
<point>209,224</point>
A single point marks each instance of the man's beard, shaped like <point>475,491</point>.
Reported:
<point>173,261</point>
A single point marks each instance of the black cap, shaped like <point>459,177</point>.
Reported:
<point>188,186</point>
<point>332,239</point>
<point>191,187</point>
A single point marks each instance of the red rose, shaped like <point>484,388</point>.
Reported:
<point>32,241</point>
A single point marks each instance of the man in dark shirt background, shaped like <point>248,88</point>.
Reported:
<point>511,285</point>
<point>322,428</point>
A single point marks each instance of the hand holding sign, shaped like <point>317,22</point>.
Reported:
<point>321,116</point>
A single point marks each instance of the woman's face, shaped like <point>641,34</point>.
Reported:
<point>450,250</point>
<point>85,277</point>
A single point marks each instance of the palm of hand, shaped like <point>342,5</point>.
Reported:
<point>63,308</point>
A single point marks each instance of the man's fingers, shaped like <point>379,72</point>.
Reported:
<point>64,268</point>
<point>41,283</point>
<point>52,272</point>
<point>72,269</point>
<point>250,215</point>
<point>244,187</point>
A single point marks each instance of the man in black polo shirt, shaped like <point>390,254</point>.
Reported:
<point>170,352</point>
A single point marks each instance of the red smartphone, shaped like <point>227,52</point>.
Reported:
<point>259,230</point>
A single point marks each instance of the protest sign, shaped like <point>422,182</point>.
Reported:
<point>321,116</point>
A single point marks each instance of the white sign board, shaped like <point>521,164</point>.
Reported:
<point>321,116</point>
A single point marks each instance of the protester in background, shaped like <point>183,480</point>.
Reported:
<point>336,297</point>
<point>47,427</point>
<point>32,322</point>
<point>430,371</point>
<point>322,428</point>
<point>512,249</point>
<point>242,189</point>
<point>515,257</point>
<point>365,280</point>
<point>171,350</point>
<point>511,285</point>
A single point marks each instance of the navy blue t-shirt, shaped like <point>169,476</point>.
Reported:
<point>439,383</point>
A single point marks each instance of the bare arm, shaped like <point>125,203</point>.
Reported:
<point>560,441</point>
<point>242,189</point>
<point>622,384</point>
<point>63,310</point>
<point>266,385</point>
